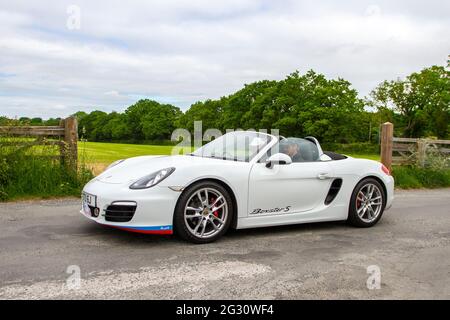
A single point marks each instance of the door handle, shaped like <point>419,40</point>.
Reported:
<point>323,176</point>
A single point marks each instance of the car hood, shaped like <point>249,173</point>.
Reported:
<point>133,169</point>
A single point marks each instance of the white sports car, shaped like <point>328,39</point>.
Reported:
<point>242,179</point>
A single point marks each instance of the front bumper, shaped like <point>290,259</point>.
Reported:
<point>154,206</point>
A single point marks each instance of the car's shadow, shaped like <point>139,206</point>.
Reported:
<point>286,229</point>
<point>124,237</point>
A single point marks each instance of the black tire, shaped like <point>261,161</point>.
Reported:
<point>179,222</point>
<point>353,218</point>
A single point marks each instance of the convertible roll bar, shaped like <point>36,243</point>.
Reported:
<point>316,142</point>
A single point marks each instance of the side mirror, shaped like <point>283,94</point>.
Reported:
<point>324,157</point>
<point>278,158</point>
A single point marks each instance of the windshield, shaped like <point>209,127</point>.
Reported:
<point>235,146</point>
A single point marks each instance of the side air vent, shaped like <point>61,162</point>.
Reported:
<point>334,189</point>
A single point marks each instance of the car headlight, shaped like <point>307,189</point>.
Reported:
<point>115,163</point>
<point>152,179</point>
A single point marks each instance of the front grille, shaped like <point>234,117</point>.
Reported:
<point>119,213</point>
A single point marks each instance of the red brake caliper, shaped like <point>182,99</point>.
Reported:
<point>215,212</point>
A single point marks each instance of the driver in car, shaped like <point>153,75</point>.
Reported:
<point>292,149</point>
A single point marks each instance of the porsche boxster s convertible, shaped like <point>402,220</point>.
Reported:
<point>243,179</point>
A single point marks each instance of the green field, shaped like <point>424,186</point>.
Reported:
<point>365,156</point>
<point>100,152</point>
<point>105,153</point>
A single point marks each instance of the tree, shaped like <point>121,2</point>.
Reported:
<point>431,89</point>
<point>4,121</point>
<point>52,122</point>
<point>148,119</point>
<point>422,99</point>
<point>24,121</point>
<point>117,127</point>
<point>91,125</point>
<point>36,122</point>
<point>301,105</point>
<point>237,105</point>
<point>209,112</point>
<point>330,109</point>
<point>79,115</point>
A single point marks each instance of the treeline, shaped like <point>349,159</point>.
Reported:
<point>299,105</point>
<point>25,121</point>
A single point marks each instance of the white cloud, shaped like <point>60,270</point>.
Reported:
<point>112,93</point>
<point>182,51</point>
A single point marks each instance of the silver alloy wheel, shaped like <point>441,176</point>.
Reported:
<point>206,212</point>
<point>369,202</point>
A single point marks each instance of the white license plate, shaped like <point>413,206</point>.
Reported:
<point>89,199</point>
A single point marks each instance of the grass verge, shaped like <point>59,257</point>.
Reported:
<point>410,177</point>
<point>30,173</point>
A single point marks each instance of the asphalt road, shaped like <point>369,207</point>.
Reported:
<point>41,240</point>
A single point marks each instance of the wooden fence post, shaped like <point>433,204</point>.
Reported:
<point>421,152</point>
<point>387,134</point>
<point>70,139</point>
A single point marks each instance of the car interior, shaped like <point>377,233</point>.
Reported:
<point>301,150</point>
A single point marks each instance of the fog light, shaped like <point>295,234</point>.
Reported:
<point>96,212</point>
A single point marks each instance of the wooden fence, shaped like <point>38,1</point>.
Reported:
<point>65,136</point>
<point>398,151</point>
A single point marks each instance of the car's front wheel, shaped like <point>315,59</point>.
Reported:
<point>203,213</point>
<point>367,203</point>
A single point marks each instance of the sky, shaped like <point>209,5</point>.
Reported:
<point>59,57</point>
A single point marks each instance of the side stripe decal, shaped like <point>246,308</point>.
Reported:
<point>147,230</point>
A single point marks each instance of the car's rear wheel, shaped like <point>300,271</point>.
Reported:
<point>367,203</point>
<point>203,213</point>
